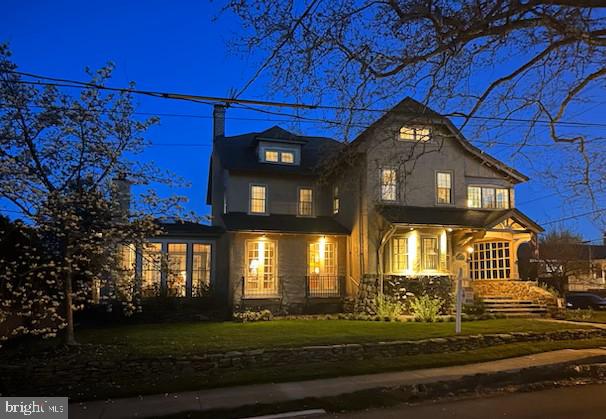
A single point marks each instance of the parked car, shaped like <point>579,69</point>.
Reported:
<point>585,300</point>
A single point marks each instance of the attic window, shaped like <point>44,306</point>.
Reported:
<point>408,133</point>
<point>277,155</point>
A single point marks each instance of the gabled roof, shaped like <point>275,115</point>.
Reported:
<point>238,221</point>
<point>239,153</point>
<point>454,217</point>
<point>418,111</point>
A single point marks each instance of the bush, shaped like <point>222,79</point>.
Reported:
<point>477,308</point>
<point>426,308</point>
<point>388,307</point>
<point>253,316</point>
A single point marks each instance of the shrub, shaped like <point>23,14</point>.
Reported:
<point>426,308</point>
<point>388,307</point>
<point>253,316</point>
<point>477,308</point>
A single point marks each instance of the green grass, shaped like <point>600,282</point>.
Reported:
<point>153,385</point>
<point>586,316</point>
<point>190,338</point>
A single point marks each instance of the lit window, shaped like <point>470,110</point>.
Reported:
<point>502,198</point>
<point>126,266</point>
<point>305,201</point>
<point>287,157</point>
<point>151,269</point>
<point>261,278</point>
<point>200,269</point>
<point>429,253</point>
<point>271,155</point>
<point>487,197</point>
<point>414,134</point>
<point>335,200</point>
<point>399,254</point>
<point>490,260</point>
<point>322,269</point>
<point>257,199</point>
<point>388,184</point>
<point>176,278</point>
<point>444,187</point>
<point>474,197</point>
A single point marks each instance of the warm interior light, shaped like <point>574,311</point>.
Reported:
<point>449,229</point>
<point>469,249</point>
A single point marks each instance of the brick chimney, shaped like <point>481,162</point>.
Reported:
<point>218,121</point>
<point>121,196</point>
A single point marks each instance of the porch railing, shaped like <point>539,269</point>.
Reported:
<point>324,286</point>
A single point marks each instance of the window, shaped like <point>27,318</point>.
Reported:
<point>287,157</point>
<point>257,199</point>
<point>429,253</point>
<point>388,184</point>
<point>487,197</point>
<point>276,155</point>
<point>474,197</point>
<point>126,266</point>
<point>271,155</point>
<point>322,269</point>
<point>414,134</point>
<point>490,260</point>
<point>261,278</point>
<point>444,187</point>
<point>399,254</point>
<point>335,200</point>
<point>305,202</point>
<point>151,269</point>
<point>200,275</point>
<point>176,277</point>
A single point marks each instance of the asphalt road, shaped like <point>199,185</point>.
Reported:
<point>578,402</point>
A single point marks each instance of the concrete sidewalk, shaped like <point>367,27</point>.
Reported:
<point>233,397</point>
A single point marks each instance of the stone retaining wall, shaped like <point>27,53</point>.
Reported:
<point>77,371</point>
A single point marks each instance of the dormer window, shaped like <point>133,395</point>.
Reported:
<point>278,154</point>
<point>417,134</point>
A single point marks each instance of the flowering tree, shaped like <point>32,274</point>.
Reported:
<point>66,163</point>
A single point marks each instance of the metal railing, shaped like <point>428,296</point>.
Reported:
<point>324,286</point>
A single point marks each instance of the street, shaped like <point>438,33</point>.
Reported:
<point>580,402</point>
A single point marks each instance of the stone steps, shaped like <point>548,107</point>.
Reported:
<point>513,307</point>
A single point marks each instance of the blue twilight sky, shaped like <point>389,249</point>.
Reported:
<point>179,47</point>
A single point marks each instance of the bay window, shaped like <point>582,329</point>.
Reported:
<point>176,278</point>
<point>151,269</point>
<point>200,280</point>
<point>490,260</point>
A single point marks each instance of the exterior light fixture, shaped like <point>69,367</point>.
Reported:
<point>449,230</point>
<point>469,249</point>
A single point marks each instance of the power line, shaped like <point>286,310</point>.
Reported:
<point>572,217</point>
<point>61,82</point>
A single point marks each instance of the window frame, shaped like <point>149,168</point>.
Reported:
<point>264,149</point>
<point>275,289</point>
<point>482,268</point>
<point>397,269</point>
<point>382,185</point>
<point>417,137</point>
<point>336,200</point>
<point>300,202</point>
<point>494,201</point>
<point>265,199</point>
<point>424,268</point>
<point>450,174</point>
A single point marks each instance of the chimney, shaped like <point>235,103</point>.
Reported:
<point>218,121</point>
<point>121,196</point>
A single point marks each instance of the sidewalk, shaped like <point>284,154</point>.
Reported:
<point>233,397</point>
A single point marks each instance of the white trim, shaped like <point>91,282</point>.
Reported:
<point>266,200</point>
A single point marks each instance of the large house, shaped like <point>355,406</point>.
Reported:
<point>298,222</point>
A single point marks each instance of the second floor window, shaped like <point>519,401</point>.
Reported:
<point>335,200</point>
<point>279,156</point>
<point>271,155</point>
<point>389,184</point>
<point>487,197</point>
<point>257,199</point>
<point>444,187</point>
<point>305,201</point>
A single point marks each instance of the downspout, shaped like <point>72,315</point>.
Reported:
<point>380,252</point>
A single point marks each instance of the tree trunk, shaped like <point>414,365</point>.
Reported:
<point>69,311</point>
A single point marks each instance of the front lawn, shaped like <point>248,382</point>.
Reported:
<point>191,338</point>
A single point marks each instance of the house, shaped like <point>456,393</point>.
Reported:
<point>300,223</point>
<point>574,267</point>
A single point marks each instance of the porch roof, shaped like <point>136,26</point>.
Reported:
<point>283,223</point>
<point>454,217</point>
